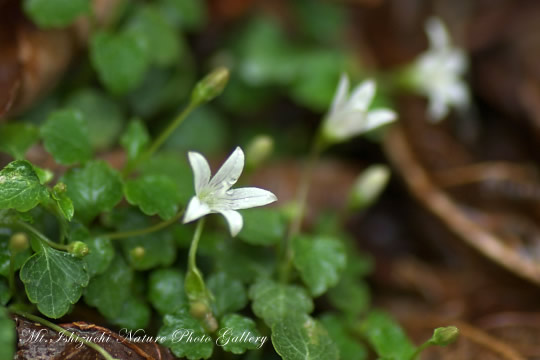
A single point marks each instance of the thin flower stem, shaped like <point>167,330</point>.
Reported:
<point>161,138</point>
<point>300,208</point>
<point>42,237</point>
<point>420,349</point>
<point>148,230</point>
<point>192,261</point>
<point>64,332</point>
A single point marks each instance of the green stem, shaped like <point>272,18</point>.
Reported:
<point>150,229</point>
<point>300,206</point>
<point>42,237</point>
<point>64,332</point>
<point>11,279</point>
<point>192,261</point>
<point>161,138</point>
<point>420,349</point>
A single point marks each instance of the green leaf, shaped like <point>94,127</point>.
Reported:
<point>187,14</point>
<point>15,139</point>
<point>103,116</point>
<point>244,262</point>
<point>262,226</point>
<point>8,335</point>
<point>154,194</point>
<point>5,254</point>
<point>101,250</point>
<point>62,200</point>
<point>65,136</point>
<point>320,261</point>
<point>109,291</point>
<point>135,139</point>
<point>20,188</point>
<point>5,293</point>
<point>300,337</point>
<point>161,41</point>
<point>93,189</point>
<point>238,334</point>
<point>44,175</point>
<point>230,294</point>
<point>352,296</point>
<point>134,314</point>
<point>54,280</point>
<point>349,346</point>
<point>157,249</point>
<point>176,331</point>
<point>273,301</point>
<point>120,60</point>
<point>166,290</point>
<point>386,336</point>
<point>55,13</point>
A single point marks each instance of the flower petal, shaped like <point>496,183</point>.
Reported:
<point>362,96</point>
<point>437,33</point>
<point>229,172</point>
<point>340,97</point>
<point>195,210</point>
<point>234,219</point>
<point>245,198</point>
<point>201,170</point>
<point>378,117</point>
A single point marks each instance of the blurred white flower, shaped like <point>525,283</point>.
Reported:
<point>216,196</point>
<point>438,72</point>
<point>349,115</point>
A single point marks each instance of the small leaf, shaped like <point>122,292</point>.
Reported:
<point>176,331</point>
<point>101,250</point>
<point>320,261</point>
<point>15,139</point>
<point>62,200</point>
<point>93,189</point>
<point>187,14</point>
<point>55,13</point>
<point>135,139</point>
<point>166,290</point>
<point>154,194</point>
<point>120,60</point>
<point>352,296</point>
<point>54,280</point>
<point>299,337</point>
<point>243,262</point>
<point>8,336</point>
<point>5,293</point>
<point>109,291</point>
<point>134,314</point>
<point>238,334</point>
<point>20,188</point>
<point>157,249</point>
<point>229,293</point>
<point>5,255</point>
<point>161,41</point>
<point>273,301</point>
<point>65,136</point>
<point>103,116</point>
<point>44,175</point>
<point>386,336</point>
<point>262,226</point>
<point>349,347</point>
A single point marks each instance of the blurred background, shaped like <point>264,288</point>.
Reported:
<point>456,234</point>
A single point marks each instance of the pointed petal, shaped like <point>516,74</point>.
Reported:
<point>234,219</point>
<point>379,117</point>
<point>437,108</point>
<point>245,198</point>
<point>362,96</point>
<point>437,33</point>
<point>340,97</point>
<point>201,170</point>
<point>195,210</point>
<point>229,172</point>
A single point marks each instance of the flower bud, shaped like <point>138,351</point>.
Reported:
<point>368,186</point>
<point>445,335</point>
<point>258,150</point>
<point>199,309</point>
<point>210,86</point>
<point>137,253</point>
<point>18,242</point>
<point>78,248</point>
<point>60,188</point>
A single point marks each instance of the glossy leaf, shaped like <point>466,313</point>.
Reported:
<point>15,139</point>
<point>157,249</point>
<point>349,346</point>
<point>63,201</point>
<point>135,139</point>
<point>262,226</point>
<point>166,290</point>
<point>20,188</point>
<point>238,334</point>
<point>154,194</point>
<point>230,294</point>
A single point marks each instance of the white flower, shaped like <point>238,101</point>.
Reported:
<point>438,72</point>
<point>349,115</point>
<point>216,196</point>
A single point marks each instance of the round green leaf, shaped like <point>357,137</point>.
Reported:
<point>154,194</point>
<point>238,334</point>
<point>166,290</point>
<point>55,13</point>
<point>15,139</point>
<point>230,294</point>
<point>262,226</point>
<point>20,188</point>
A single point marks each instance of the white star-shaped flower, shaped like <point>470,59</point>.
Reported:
<point>349,115</point>
<point>216,196</point>
<point>438,72</point>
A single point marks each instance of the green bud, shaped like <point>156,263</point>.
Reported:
<point>258,150</point>
<point>210,322</point>
<point>137,252</point>
<point>199,309</point>
<point>18,242</point>
<point>369,186</point>
<point>210,86</point>
<point>60,188</point>
<point>78,248</point>
<point>444,336</point>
